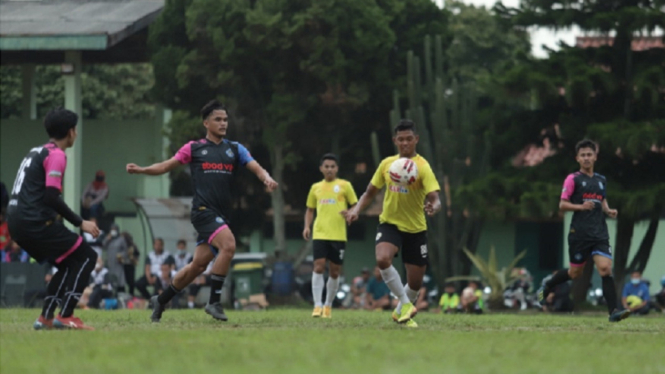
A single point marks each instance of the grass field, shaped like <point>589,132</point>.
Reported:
<point>289,341</point>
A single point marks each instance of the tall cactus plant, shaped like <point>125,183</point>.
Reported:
<point>456,146</point>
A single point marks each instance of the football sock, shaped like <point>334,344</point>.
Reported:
<point>561,276</point>
<point>54,290</point>
<point>610,293</point>
<point>411,294</point>
<point>331,290</point>
<point>394,283</point>
<point>317,289</point>
<point>168,294</point>
<point>80,264</point>
<point>216,284</point>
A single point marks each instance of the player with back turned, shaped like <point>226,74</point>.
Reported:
<point>584,193</point>
<point>329,198</point>
<point>213,162</point>
<point>32,220</point>
<point>402,223</point>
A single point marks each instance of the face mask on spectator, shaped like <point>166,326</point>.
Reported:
<point>114,233</point>
<point>182,252</point>
<point>99,178</point>
<point>635,280</point>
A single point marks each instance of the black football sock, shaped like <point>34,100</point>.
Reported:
<point>54,291</point>
<point>561,276</point>
<point>217,282</point>
<point>610,293</point>
<point>168,294</point>
<point>80,264</point>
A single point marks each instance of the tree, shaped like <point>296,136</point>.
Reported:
<point>294,71</point>
<point>104,95</point>
<point>613,93</point>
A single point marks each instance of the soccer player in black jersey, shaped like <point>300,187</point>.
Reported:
<point>32,219</point>
<point>213,162</point>
<point>584,193</point>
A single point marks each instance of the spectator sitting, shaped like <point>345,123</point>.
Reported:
<point>182,257</point>
<point>5,238</point>
<point>471,300</point>
<point>558,299</point>
<point>636,295</point>
<point>116,249</point>
<point>102,285</point>
<point>153,264</point>
<point>356,298</point>
<point>378,293</point>
<point>94,195</point>
<point>166,274</point>
<point>200,281</point>
<point>95,243</point>
<point>449,300</point>
<point>14,253</point>
<point>659,298</point>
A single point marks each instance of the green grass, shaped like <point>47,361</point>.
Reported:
<point>289,341</point>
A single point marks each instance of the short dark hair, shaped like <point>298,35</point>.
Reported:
<point>182,241</point>
<point>586,143</point>
<point>159,240</point>
<point>405,125</point>
<point>329,156</point>
<point>58,121</point>
<point>210,107</point>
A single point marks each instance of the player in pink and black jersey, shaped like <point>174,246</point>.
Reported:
<point>214,162</point>
<point>584,193</point>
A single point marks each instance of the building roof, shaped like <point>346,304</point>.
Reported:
<point>72,24</point>
<point>637,44</point>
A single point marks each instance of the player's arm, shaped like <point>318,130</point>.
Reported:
<point>365,200</point>
<point>432,203</point>
<point>309,217</point>
<point>567,206</point>
<point>54,166</point>
<point>154,169</point>
<point>610,212</point>
<point>262,174</point>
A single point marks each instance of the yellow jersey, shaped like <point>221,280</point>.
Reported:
<point>404,206</point>
<point>329,199</point>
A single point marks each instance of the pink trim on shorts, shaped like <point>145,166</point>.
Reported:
<point>577,265</point>
<point>69,251</point>
<point>216,232</point>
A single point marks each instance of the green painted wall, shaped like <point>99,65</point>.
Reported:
<point>655,268</point>
<point>107,145</point>
<point>501,235</point>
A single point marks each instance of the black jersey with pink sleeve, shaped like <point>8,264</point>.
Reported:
<point>44,166</point>
<point>213,167</point>
<point>587,224</point>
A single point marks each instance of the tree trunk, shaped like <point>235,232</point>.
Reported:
<point>625,226</point>
<point>278,201</point>
<point>472,244</point>
<point>641,258</point>
<point>581,285</point>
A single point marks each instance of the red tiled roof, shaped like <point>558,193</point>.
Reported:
<point>638,44</point>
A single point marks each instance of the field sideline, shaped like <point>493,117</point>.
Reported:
<point>289,341</point>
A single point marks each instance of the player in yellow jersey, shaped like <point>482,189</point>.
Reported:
<point>402,223</point>
<point>330,198</point>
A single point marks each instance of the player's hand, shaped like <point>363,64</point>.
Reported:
<point>270,183</point>
<point>588,205</point>
<point>91,228</point>
<point>351,215</point>
<point>306,233</point>
<point>432,209</point>
<point>612,213</point>
<point>134,169</point>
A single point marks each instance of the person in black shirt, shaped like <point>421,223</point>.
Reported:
<point>32,218</point>
<point>584,193</point>
<point>214,162</point>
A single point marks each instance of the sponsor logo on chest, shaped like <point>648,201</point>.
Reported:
<point>398,189</point>
<point>217,166</point>
<point>328,201</point>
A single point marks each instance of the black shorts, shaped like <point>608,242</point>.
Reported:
<point>413,246</point>
<point>207,224</point>
<point>580,251</point>
<point>329,249</point>
<point>47,241</point>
